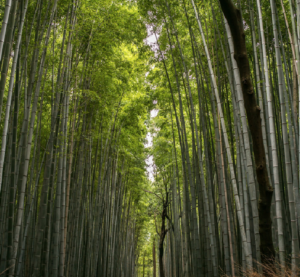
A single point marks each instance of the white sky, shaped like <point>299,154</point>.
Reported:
<point>150,40</point>
<point>149,160</point>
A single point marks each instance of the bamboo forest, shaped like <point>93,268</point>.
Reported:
<point>149,138</point>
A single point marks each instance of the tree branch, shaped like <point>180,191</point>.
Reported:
<point>152,193</point>
<point>170,222</point>
<point>156,226</point>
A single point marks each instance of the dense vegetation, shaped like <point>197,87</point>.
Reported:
<point>79,82</point>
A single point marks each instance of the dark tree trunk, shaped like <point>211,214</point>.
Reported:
<point>162,235</point>
<point>234,18</point>
<point>161,253</point>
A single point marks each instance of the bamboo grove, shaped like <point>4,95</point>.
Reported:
<point>226,138</point>
<point>79,82</point>
<point>72,152</point>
